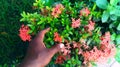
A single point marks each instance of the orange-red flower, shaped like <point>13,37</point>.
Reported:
<point>57,10</point>
<point>60,59</point>
<point>57,37</point>
<point>84,12</point>
<point>75,23</point>
<point>23,33</point>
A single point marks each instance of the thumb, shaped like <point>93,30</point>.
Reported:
<point>55,49</point>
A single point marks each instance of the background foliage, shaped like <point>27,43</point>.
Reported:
<point>12,49</point>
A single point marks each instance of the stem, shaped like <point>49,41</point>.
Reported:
<point>94,7</point>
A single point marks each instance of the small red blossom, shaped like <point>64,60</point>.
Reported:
<point>90,26</point>
<point>57,10</point>
<point>75,23</point>
<point>84,12</point>
<point>80,51</point>
<point>23,33</point>
<point>60,59</point>
<point>68,46</point>
<point>57,37</point>
<point>65,50</point>
<point>75,45</point>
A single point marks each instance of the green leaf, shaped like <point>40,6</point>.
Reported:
<point>118,27</point>
<point>113,36</point>
<point>31,26</point>
<point>47,2</point>
<point>113,17</point>
<point>117,56</point>
<point>115,11</point>
<point>114,2</point>
<point>40,22</point>
<point>117,39</point>
<point>105,16</point>
<point>103,4</point>
<point>67,65</point>
<point>67,27</point>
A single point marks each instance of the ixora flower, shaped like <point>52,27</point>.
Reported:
<point>84,12</point>
<point>75,23</point>
<point>106,46</point>
<point>60,59</point>
<point>57,37</point>
<point>90,26</point>
<point>57,10</point>
<point>23,33</point>
<point>101,55</point>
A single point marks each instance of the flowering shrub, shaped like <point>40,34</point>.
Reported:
<point>74,26</point>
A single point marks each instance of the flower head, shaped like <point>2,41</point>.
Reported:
<point>57,10</point>
<point>57,37</point>
<point>75,23</point>
<point>23,33</point>
<point>90,26</point>
<point>60,59</point>
<point>84,12</point>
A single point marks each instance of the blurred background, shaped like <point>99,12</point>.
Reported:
<point>12,49</point>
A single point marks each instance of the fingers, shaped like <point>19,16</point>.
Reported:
<point>42,33</point>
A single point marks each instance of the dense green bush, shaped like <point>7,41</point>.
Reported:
<point>87,26</point>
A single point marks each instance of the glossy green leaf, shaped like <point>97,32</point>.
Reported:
<point>113,17</point>
<point>113,36</point>
<point>105,16</point>
<point>103,4</point>
<point>47,2</point>
<point>117,39</point>
<point>115,11</point>
<point>114,2</point>
<point>118,27</point>
<point>117,56</point>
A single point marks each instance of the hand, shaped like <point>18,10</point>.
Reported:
<point>38,55</point>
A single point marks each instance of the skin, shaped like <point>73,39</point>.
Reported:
<point>37,54</point>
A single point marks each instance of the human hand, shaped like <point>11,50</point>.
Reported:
<point>38,55</point>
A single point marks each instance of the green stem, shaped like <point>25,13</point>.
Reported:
<point>94,7</point>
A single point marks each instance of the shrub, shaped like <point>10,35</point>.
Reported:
<point>73,24</point>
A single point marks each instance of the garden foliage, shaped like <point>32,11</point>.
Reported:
<point>79,25</point>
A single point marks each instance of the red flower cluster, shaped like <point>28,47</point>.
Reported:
<point>57,37</point>
<point>75,23</point>
<point>106,46</point>
<point>101,55</point>
<point>57,10</point>
<point>66,49</point>
<point>84,12</point>
<point>24,33</point>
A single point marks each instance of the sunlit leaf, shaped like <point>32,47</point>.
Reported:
<point>103,4</point>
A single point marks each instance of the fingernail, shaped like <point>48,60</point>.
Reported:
<point>61,45</point>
